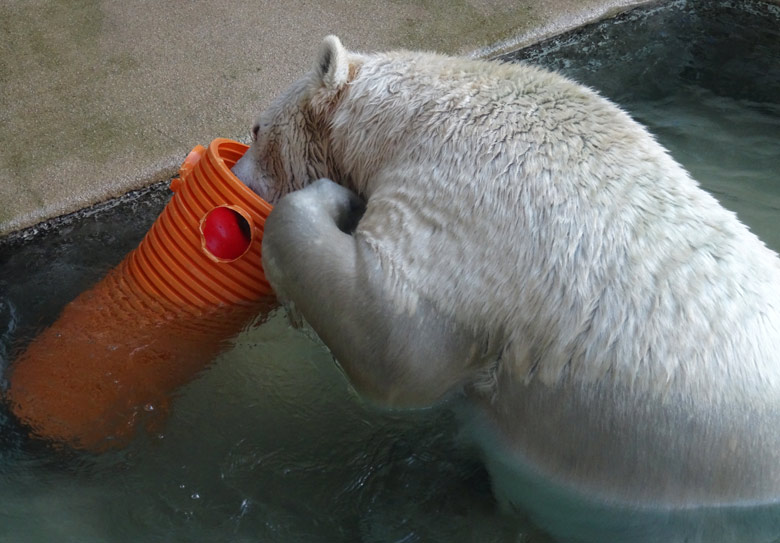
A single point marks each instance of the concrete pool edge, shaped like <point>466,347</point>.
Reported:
<point>561,25</point>
<point>55,223</point>
<point>73,182</point>
<point>24,222</point>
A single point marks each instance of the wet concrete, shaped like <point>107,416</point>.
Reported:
<point>102,97</point>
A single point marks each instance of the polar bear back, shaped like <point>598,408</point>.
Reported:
<point>526,242</point>
<point>548,216</point>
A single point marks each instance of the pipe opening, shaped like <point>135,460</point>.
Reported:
<point>226,233</point>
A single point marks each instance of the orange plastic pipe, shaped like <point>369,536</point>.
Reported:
<point>111,361</point>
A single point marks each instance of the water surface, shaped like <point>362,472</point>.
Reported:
<point>270,443</point>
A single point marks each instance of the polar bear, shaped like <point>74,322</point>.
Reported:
<point>498,232</point>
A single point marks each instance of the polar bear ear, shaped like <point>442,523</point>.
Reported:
<point>332,63</point>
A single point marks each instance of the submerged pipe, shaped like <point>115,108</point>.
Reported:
<point>116,353</point>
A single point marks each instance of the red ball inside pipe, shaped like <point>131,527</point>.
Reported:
<point>226,233</point>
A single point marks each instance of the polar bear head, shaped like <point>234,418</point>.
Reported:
<point>290,139</point>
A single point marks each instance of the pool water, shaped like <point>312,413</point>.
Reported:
<point>270,443</point>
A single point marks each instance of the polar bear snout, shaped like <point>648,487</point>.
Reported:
<point>248,172</point>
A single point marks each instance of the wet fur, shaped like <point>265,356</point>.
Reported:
<point>525,241</point>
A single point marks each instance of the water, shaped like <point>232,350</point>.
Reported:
<point>270,443</point>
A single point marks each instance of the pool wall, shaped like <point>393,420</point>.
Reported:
<point>100,98</point>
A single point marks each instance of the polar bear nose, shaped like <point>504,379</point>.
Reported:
<point>255,130</point>
<point>251,174</point>
<point>244,169</point>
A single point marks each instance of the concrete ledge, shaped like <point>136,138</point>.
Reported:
<point>101,98</point>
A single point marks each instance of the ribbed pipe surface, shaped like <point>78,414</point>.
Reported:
<point>116,353</point>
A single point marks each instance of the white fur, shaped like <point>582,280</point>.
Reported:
<point>630,324</point>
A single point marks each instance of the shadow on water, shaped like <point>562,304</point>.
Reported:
<point>270,443</point>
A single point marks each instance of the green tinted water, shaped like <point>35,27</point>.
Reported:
<point>270,444</point>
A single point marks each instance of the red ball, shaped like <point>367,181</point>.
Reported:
<point>226,233</point>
